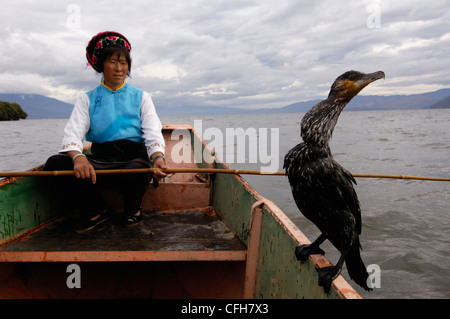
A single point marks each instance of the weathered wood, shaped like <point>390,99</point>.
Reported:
<point>194,242</point>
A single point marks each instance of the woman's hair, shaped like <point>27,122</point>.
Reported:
<point>110,51</point>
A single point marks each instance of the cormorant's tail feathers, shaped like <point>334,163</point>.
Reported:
<point>356,268</point>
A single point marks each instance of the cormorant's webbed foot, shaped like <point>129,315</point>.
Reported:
<point>327,275</point>
<point>302,252</point>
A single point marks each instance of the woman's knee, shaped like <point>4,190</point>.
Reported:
<point>58,162</point>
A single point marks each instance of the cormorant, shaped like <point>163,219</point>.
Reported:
<point>323,190</point>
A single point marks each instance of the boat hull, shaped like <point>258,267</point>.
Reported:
<point>209,236</point>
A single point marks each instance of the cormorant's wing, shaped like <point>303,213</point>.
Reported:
<point>320,186</point>
<point>338,183</point>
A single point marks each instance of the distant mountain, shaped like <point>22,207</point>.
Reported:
<point>38,106</point>
<point>397,102</point>
<point>437,99</point>
<point>299,107</point>
<point>442,104</point>
<point>199,110</point>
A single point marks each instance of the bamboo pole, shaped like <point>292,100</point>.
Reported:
<point>205,171</point>
<point>421,178</point>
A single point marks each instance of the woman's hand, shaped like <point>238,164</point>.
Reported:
<point>82,168</point>
<point>158,162</point>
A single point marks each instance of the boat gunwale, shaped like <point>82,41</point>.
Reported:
<point>343,288</point>
<point>340,285</point>
<point>123,256</point>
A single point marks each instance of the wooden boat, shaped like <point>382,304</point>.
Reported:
<point>203,236</point>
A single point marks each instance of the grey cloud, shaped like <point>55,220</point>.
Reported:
<point>229,53</point>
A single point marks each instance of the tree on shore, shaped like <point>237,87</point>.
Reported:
<point>11,111</point>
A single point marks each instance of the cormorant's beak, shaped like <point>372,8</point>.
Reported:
<point>368,78</point>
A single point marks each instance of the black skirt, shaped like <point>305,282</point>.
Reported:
<point>117,151</point>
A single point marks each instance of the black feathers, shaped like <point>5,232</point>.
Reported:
<point>322,189</point>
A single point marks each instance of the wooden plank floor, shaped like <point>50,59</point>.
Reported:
<point>186,235</point>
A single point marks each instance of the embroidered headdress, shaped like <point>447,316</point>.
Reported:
<point>102,40</point>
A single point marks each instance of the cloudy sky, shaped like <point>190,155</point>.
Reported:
<point>246,53</point>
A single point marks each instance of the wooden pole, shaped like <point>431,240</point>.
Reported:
<point>140,170</point>
<point>421,178</point>
<point>204,171</point>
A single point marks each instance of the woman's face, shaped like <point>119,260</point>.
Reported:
<point>115,70</point>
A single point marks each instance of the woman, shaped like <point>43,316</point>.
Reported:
<point>121,122</point>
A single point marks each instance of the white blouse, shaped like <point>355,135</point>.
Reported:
<point>79,124</point>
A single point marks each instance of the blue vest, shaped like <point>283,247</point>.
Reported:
<point>115,115</point>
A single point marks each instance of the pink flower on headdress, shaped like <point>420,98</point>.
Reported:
<point>112,38</point>
<point>99,44</point>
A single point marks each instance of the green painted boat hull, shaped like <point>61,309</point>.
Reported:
<point>261,264</point>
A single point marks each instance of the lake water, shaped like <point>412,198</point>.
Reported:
<point>406,223</point>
